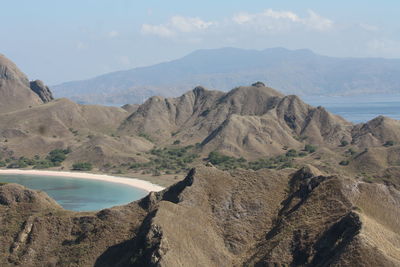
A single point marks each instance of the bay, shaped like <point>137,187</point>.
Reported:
<point>79,194</point>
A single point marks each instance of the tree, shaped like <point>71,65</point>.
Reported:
<point>82,166</point>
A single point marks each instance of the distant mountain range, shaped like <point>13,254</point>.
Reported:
<point>300,72</point>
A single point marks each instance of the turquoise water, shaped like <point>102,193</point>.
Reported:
<point>360,108</point>
<point>79,194</point>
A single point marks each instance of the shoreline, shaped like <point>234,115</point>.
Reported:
<point>133,182</point>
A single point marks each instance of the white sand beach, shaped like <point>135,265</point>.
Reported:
<point>144,185</point>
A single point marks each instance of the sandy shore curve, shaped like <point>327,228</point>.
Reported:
<point>137,183</point>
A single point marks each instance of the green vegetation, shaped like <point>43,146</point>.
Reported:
<point>291,153</point>
<point>57,156</point>
<point>175,159</point>
<point>344,143</point>
<point>146,136</point>
<point>176,142</point>
<point>310,148</point>
<point>82,166</point>
<point>53,159</point>
<point>344,163</point>
<point>389,143</point>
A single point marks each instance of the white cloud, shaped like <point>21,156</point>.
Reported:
<point>175,25</point>
<point>160,30</point>
<point>185,24</point>
<point>317,22</point>
<point>267,21</point>
<point>281,15</point>
<point>273,20</point>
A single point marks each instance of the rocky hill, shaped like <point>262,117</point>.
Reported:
<point>213,218</point>
<point>171,134</point>
<point>299,72</point>
<point>276,181</point>
<point>15,91</point>
<point>252,121</point>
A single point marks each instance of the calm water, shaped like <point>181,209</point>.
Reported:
<point>79,194</point>
<point>359,109</point>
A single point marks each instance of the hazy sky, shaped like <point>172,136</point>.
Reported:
<point>58,41</point>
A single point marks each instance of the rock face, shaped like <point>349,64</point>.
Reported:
<point>41,90</point>
<point>214,218</point>
<point>15,92</point>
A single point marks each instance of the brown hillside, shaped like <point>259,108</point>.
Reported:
<point>214,218</point>
<point>254,120</point>
<point>15,92</point>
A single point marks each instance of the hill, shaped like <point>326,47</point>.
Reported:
<point>299,72</point>
<point>276,182</point>
<point>250,127</point>
<point>213,218</point>
<point>16,92</point>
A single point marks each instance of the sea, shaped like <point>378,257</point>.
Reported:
<point>79,194</point>
<point>359,109</point>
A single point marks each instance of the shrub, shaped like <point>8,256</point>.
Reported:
<point>2,164</point>
<point>344,143</point>
<point>176,142</point>
<point>310,148</point>
<point>43,164</point>
<point>344,162</point>
<point>17,165</point>
<point>82,166</point>
<point>291,153</point>
<point>217,158</point>
<point>58,155</point>
<point>146,136</point>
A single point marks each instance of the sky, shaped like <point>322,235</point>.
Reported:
<point>58,41</point>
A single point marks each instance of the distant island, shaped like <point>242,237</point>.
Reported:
<point>299,72</point>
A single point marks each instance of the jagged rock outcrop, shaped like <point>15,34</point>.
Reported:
<point>15,92</point>
<point>41,90</point>
<point>216,218</point>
